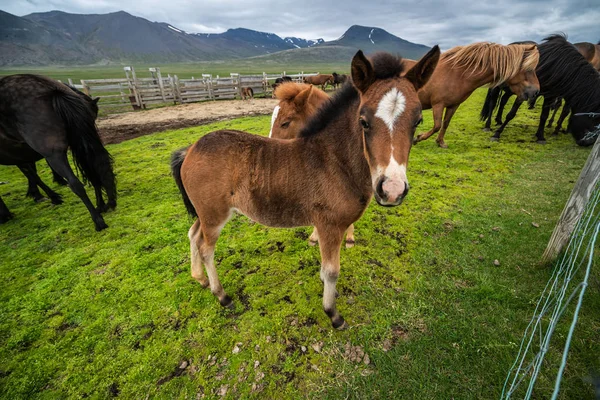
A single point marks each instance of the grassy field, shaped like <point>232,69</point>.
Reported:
<point>182,70</point>
<point>116,313</point>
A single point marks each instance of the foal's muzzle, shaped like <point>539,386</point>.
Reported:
<point>390,192</point>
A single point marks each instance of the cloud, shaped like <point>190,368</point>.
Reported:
<point>447,23</point>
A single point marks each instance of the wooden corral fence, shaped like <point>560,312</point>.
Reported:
<point>588,179</point>
<point>131,91</point>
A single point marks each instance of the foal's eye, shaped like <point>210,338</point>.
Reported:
<point>364,123</point>
<point>419,122</point>
<point>285,124</point>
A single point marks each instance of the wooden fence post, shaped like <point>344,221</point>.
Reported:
<point>158,77</point>
<point>86,88</point>
<point>589,177</point>
<point>209,85</point>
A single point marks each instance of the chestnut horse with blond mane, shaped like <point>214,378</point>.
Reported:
<point>297,103</point>
<point>356,146</point>
<point>463,69</point>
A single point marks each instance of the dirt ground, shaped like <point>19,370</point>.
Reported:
<point>116,128</point>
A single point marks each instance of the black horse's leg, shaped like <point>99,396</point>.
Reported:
<point>509,117</point>
<point>61,165</point>
<point>493,94</point>
<point>555,108</point>
<point>5,215</point>
<point>57,178</point>
<point>30,171</point>
<point>100,204</point>
<point>564,114</point>
<point>503,101</point>
<point>543,117</point>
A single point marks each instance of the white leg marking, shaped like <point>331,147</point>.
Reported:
<point>390,107</point>
<point>273,118</point>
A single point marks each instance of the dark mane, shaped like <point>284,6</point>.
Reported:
<point>563,71</point>
<point>386,65</point>
<point>331,110</point>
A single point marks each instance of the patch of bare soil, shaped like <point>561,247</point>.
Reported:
<point>117,128</point>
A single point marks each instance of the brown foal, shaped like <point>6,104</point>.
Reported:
<point>356,146</point>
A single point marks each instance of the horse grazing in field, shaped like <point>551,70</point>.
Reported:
<point>463,69</point>
<point>338,79</point>
<point>247,93</point>
<point>42,118</point>
<point>356,145</point>
<point>319,80</point>
<point>298,102</point>
<point>562,72</point>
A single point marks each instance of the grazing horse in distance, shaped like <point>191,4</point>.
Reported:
<point>357,145</point>
<point>298,102</point>
<point>42,118</point>
<point>463,69</point>
<point>247,93</point>
<point>319,80</point>
<point>563,72</point>
<point>338,79</point>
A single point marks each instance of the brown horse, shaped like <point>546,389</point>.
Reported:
<point>463,69</point>
<point>321,79</point>
<point>356,146</point>
<point>297,103</point>
<point>591,52</point>
<point>247,93</point>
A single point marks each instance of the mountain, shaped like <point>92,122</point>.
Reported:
<point>303,43</point>
<point>371,39</point>
<point>57,37</point>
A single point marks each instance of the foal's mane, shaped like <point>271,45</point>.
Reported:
<point>504,61</point>
<point>563,71</point>
<point>288,91</point>
<point>385,66</point>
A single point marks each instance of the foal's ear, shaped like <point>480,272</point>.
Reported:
<point>422,71</point>
<point>362,72</point>
<point>96,100</point>
<point>302,97</point>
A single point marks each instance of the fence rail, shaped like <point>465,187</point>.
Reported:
<point>131,91</point>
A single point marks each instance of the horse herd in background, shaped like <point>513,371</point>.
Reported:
<point>305,173</point>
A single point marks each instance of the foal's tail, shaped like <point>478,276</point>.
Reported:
<point>176,161</point>
<point>490,103</point>
<point>92,160</point>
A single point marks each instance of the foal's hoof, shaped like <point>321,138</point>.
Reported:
<point>540,141</point>
<point>341,327</point>
<point>312,242</point>
<point>226,301</point>
<point>442,145</point>
<point>349,244</point>
<point>494,139</point>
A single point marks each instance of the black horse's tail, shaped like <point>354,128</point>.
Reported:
<point>490,104</point>
<point>176,161</point>
<point>92,160</point>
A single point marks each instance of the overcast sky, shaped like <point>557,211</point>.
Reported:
<point>444,22</point>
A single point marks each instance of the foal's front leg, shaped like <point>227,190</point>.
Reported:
<point>330,242</point>
<point>314,237</point>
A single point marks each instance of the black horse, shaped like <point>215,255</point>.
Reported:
<point>562,72</point>
<point>42,118</point>
<point>339,79</point>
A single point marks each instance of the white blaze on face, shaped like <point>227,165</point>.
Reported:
<point>273,118</point>
<point>391,106</point>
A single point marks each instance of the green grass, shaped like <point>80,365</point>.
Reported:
<point>182,70</point>
<point>86,314</point>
